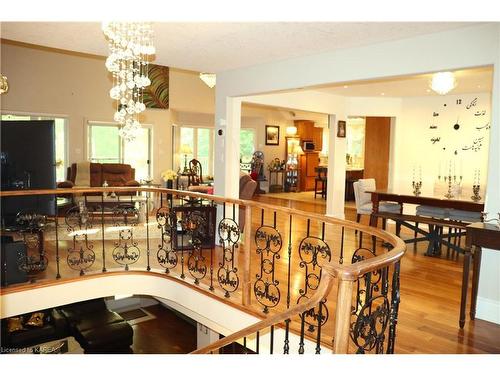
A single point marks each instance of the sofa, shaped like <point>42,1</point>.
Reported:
<point>28,330</point>
<point>97,329</point>
<point>114,174</point>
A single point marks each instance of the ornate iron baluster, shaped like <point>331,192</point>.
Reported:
<point>126,251</point>
<point>148,251</point>
<point>393,317</point>
<point>372,311</point>
<point>195,224</point>
<point>313,252</point>
<point>79,221</point>
<point>229,235</point>
<point>268,241</point>
<point>56,221</point>
<point>167,223</point>
<point>102,229</point>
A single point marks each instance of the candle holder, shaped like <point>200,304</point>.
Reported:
<point>416,187</point>
<point>475,190</point>
<point>449,194</point>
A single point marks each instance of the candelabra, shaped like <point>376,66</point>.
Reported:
<point>452,180</point>
<point>475,189</point>
<point>416,187</point>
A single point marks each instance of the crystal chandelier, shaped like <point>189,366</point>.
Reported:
<point>443,82</point>
<point>130,50</point>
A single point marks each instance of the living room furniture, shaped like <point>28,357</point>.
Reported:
<point>291,180</point>
<point>478,235</point>
<point>10,253</point>
<point>195,178</point>
<point>247,189</point>
<point>54,327</point>
<point>321,180</point>
<point>112,201</point>
<point>97,329</point>
<point>114,174</point>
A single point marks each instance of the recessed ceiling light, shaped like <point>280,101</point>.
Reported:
<point>478,86</point>
<point>345,86</point>
<point>428,90</point>
<point>382,93</point>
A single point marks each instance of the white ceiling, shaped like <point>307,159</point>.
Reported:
<point>215,47</point>
<point>468,81</point>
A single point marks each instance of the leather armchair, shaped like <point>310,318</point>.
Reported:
<point>97,329</point>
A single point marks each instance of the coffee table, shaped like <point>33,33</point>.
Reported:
<point>93,203</point>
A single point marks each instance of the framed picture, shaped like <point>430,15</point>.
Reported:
<point>341,129</point>
<point>272,135</point>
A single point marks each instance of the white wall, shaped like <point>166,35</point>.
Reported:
<point>457,49</point>
<point>414,148</point>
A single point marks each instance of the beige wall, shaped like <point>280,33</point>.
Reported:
<point>51,82</point>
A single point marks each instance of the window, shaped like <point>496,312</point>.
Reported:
<point>59,142</point>
<point>106,146</point>
<point>199,141</point>
<point>247,145</point>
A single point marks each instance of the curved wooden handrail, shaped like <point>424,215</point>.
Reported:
<point>346,273</point>
<point>323,290</point>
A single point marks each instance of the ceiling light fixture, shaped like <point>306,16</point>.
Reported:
<point>209,79</point>
<point>443,82</point>
<point>4,84</point>
<point>130,50</point>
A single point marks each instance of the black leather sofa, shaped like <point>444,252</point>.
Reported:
<point>97,329</point>
<point>54,327</point>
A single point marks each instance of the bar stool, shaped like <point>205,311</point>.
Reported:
<point>321,177</point>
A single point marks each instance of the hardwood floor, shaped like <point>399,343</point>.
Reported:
<point>166,334</point>
<point>430,287</point>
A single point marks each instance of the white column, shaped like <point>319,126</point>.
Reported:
<point>205,336</point>
<point>227,146</point>
<point>488,300</point>
<point>336,170</point>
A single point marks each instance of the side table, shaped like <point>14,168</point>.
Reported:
<point>478,235</point>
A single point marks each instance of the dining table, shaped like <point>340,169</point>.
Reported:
<point>475,232</point>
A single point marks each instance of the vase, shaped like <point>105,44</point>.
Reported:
<point>169,184</point>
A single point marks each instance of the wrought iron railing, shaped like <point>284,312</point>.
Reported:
<point>305,274</point>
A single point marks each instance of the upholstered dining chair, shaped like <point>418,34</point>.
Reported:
<point>195,178</point>
<point>364,202</point>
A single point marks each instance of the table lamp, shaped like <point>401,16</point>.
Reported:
<point>186,150</point>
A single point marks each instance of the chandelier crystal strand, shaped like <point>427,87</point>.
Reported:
<point>130,51</point>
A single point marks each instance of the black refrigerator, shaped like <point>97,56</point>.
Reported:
<point>27,157</point>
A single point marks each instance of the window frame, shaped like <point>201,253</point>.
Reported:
<point>88,135</point>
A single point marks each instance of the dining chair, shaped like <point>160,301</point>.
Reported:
<point>435,213</point>
<point>364,203</point>
<point>461,216</point>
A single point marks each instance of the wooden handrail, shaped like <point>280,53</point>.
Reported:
<point>323,290</point>
<point>345,273</point>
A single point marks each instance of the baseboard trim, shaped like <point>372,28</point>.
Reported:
<point>488,309</point>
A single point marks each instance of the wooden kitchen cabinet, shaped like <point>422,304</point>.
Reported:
<point>308,162</point>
